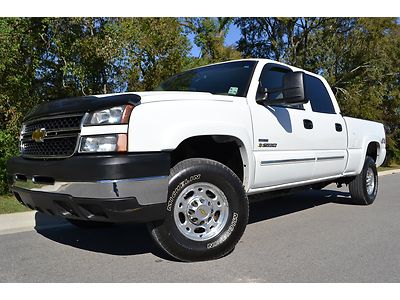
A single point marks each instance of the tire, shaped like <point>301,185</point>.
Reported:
<point>364,187</point>
<point>88,224</point>
<point>206,213</point>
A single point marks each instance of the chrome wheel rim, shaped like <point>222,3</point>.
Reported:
<point>370,181</point>
<point>201,211</point>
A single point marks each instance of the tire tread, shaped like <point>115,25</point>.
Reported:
<point>357,186</point>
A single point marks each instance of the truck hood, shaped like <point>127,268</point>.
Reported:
<point>155,96</point>
<point>96,102</point>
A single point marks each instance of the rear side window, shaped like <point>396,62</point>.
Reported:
<point>318,96</point>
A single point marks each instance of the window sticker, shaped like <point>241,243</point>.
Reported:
<point>233,90</point>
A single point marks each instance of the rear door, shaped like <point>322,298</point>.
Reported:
<point>328,130</point>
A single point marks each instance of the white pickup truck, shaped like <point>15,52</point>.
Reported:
<point>185,157</point>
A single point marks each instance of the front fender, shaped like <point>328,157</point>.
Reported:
<point>162,126</point>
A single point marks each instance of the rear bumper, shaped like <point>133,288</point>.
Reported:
<point>113,188</point>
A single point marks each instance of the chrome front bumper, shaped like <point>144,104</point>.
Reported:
<point>147,190</point>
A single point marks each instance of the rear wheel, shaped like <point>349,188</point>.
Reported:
<point>207,211</point>
<point>364,187</point>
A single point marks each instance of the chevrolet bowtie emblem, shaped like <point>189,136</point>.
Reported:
<point>39,134</point>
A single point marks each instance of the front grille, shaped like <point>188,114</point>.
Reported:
<point>59,140</point>
<point>60,123</point>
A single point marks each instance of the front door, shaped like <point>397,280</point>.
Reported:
<point>283,139</point>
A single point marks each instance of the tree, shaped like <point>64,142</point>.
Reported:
<point>149,51</point>
<point>78,58</point>
<point>20,53</point>
<point>209,36</point>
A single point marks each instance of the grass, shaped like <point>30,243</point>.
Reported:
<point>391,167</point>
<point>8,204</point>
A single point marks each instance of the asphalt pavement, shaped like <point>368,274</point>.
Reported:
<point>311,236</point>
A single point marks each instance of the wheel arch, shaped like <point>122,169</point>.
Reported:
<point>226,149</point>
<point>373,150</point>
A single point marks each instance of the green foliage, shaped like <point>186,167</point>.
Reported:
<point>150,50</point>
<point>209,36</point>
<point>20,52</point>
<point>7,150</point>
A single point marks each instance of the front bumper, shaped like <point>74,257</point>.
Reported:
<point>111,188</point>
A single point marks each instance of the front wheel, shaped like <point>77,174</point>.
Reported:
<point>207,211</point>
<point>364,187</point>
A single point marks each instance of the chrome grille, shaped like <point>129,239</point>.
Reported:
<point>60,140</point>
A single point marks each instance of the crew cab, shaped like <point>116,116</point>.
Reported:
<point>187,157</point>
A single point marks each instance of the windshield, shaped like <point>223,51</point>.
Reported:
<point>231,79</point>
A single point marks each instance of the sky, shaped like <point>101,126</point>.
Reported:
<point>231,38</point>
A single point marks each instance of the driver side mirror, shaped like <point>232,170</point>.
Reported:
<point>292,91</point>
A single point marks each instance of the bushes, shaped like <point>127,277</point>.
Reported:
<point>8,148</point>
<point>392,149</point>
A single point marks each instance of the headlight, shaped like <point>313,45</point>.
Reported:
<point>104,143</point>
<point>114,115</point>
<point>21,135</point>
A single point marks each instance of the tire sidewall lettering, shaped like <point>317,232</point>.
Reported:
<point>226,234</point>
<point>179,188</point>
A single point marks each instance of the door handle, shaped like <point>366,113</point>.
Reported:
<point>338,127</point>
<point>308,124</point>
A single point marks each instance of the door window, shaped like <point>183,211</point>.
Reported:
<point>317,94</point>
